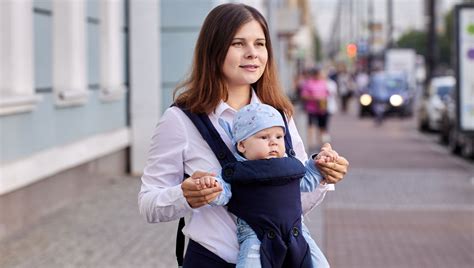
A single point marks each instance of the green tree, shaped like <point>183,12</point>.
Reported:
<point>445,41</point>
<point>415,40</point>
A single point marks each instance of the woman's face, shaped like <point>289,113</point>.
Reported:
<point>247,56</point>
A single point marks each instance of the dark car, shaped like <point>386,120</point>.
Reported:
<point>389,92</point>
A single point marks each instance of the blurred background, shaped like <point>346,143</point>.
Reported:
<point>84,82</point>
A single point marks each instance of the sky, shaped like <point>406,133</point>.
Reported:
<point>407,14</point>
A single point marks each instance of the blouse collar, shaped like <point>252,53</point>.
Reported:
<point>223,107</point>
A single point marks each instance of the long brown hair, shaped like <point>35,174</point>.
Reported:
<point>205,86</point>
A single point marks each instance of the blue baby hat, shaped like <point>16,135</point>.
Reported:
<point>254,117</point>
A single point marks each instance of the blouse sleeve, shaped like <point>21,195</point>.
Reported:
<point>161,198</point>
<point>298,145</point>
<point>309,199</point>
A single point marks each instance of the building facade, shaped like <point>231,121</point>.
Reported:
<point>82,85</point>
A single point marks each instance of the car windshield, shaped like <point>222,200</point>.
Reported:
<point>395,84</point>
<point>384,85</point>
<point>442,91</point>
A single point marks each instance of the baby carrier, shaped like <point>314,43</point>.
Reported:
<point>273,184</point>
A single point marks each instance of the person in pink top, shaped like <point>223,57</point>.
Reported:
<point>315,94</point>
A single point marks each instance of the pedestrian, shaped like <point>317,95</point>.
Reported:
<point>361,81</point>
<point>257,133</point>
<point>233,66</point>
<point>315,95</point>
<point>300,79</point>
<point>346,86</point>
<point>332,104</point>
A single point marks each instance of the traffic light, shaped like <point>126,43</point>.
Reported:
<point>351,50</point>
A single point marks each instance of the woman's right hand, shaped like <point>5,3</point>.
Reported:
<point>332,171</point>
<point>196,193</point>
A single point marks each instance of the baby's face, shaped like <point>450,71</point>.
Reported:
<point>265,144</point>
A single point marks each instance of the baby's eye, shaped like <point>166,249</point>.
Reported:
<point>279,136</point>
<point>263,137</point>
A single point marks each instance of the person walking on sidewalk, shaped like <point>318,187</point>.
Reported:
<point>233,66</point>
<point>332,103</point>
<point>345,85</point>
<point>315,95</point>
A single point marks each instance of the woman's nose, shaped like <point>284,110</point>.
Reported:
<point>251,52</point>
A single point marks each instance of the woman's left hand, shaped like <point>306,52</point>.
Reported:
<point>332,171</point>
<point>195,190</point>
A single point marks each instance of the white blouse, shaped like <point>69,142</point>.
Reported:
<point>177,148</point>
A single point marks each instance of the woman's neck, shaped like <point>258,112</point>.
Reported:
<point>239,97</point>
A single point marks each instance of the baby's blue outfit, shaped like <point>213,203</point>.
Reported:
<point>248,121</point>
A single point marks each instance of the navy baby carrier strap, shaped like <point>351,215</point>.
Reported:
<point>223,154</point>
<point>277,218</point>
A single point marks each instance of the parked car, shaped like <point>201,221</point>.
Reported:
<point>458,142</point>
<point>431,106</point>
<point>391,90</point>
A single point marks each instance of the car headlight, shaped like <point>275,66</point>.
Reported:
<point>396,100</point>
<point>365,99</point>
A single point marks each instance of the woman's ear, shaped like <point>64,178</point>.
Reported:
<point>241,147</point>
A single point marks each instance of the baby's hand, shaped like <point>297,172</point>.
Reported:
<point>206,182</point>
<point>327,156</point>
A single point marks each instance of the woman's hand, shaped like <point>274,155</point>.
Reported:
<point>199,189</point>
<point>332,171</point>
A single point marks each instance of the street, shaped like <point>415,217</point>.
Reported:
<point>406,202</point>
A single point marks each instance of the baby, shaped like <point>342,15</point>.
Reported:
<point>258,133</point>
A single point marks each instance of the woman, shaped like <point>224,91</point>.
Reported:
<point>232,67</point>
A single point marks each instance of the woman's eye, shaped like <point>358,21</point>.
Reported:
<point>237,44</point>
<point>261,44</point>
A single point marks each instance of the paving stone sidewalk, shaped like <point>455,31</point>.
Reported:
<point>103,229</point>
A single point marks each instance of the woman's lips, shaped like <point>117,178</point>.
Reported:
<point>249,67</point>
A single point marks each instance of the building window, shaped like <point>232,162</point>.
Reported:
<point>16,53</point>
<point>111,50</point>
<point>69,53</point>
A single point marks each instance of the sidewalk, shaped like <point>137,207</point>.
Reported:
<point>104,229</point>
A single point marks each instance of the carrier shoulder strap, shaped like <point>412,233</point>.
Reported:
<point>288,142</point>
<point>179,251</point>
<point>211,136</point>
<point>223,154</point>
